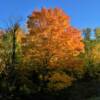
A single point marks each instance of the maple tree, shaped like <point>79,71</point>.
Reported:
<point>52,43</point>
<point>50,29</point>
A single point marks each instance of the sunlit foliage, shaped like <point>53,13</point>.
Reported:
<point>52,43</point>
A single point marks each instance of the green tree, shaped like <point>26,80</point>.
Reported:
<point>87,33</point>
<point>97,33</point>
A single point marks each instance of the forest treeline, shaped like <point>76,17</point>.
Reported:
<point>52,60</point>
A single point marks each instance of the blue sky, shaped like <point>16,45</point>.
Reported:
<point>83,13</point>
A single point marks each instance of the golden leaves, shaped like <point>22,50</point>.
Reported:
<point>53,44</point>
<point>96,54</point>
<point>53,34</point>
<point>59,80</point>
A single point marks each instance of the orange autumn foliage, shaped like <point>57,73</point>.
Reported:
<point>51,35</point>
<point>52,43</point>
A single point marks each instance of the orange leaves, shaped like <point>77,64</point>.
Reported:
<point>75,38</point>
<point>48,19</point>
<point>52,36</point>
<point>52,28</point>
<point>53,44</point>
